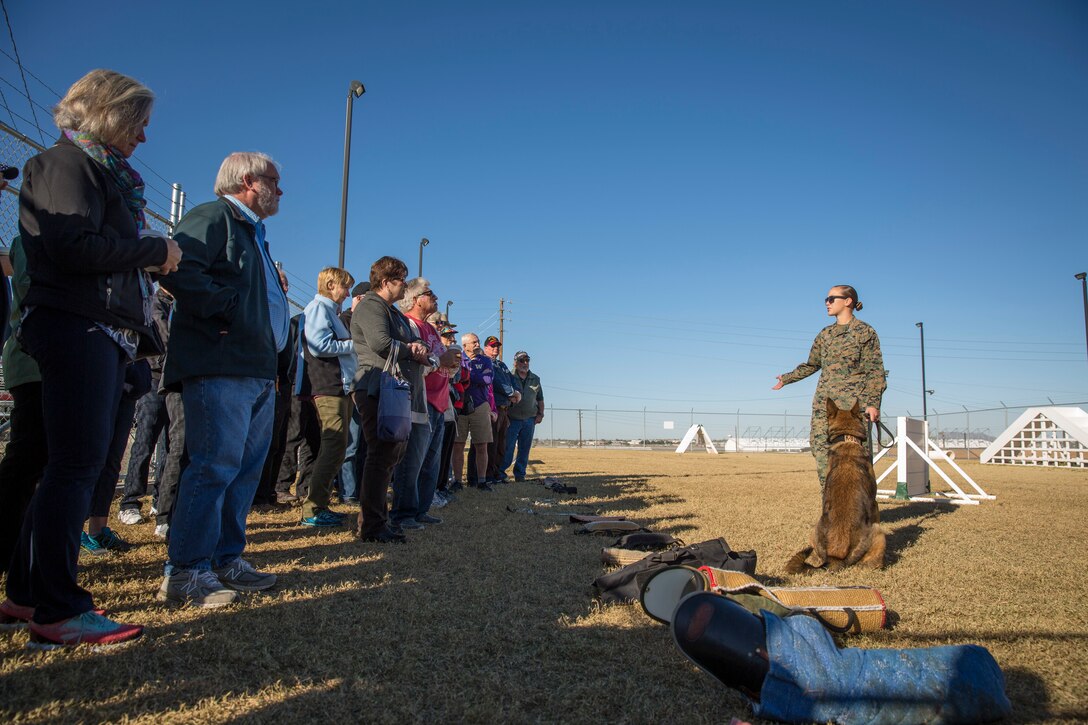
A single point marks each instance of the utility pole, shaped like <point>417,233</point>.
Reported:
<point>579,427</point>
<point>502,325</point>
<point>922,340</point>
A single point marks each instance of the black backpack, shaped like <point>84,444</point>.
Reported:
<point>625,585</point>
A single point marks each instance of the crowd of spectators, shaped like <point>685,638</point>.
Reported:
<point>242,405</point>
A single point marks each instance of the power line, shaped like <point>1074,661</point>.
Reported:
<point>31,74</point>
<point>19,63</point>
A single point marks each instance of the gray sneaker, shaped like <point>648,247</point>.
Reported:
<point>241,576</point>
<point>130,517</point>
<point>410,525</point>
<point>198,587</point>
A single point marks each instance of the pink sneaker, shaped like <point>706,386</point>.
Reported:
<point>14,616</point>
<point>87,628</point>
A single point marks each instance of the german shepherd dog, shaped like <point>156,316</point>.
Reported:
<point>849,530</point>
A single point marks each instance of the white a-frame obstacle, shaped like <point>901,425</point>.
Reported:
<point>697,435</point>
<point>915,454</point>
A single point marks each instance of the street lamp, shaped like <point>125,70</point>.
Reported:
<point>448,303</point>
<point>922,338</point>
<point>1084,290</point>
<point>355,90</point>
<point>422,243</point>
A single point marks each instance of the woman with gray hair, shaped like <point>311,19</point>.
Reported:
<point>86,315</point>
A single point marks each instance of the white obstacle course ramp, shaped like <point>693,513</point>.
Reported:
<point>1048,436</point>
<point>916,455</point>
<point>696,435</point>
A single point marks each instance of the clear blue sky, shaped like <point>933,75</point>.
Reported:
<point>664,191</point>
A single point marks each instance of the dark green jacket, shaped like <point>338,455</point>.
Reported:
<point>19,368</point>
<point>221,323</point>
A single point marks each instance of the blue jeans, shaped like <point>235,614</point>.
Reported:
<point>520,434</point>
<point>406,475</point>
<point>351,473</point>
<point>432,460</point>
<point>228,424</point>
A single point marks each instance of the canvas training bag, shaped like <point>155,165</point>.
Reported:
<point>845,610</point>
<point>394,401</point>
<point>625,585</point>
<point>608,528</point>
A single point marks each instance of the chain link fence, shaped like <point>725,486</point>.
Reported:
<point>968,431</point>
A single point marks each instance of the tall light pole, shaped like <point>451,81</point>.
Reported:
<point>422,243</point>
<point>355,90</point>
<point>448,303</point>
<point>922,338</point>
<point>1083,277</point>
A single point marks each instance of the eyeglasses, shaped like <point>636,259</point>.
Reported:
<point>274,179</point>
<point>522,360</point>
<point>832,298</point>
<point>429,293</point>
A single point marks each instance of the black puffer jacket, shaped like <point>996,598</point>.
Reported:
<point>83,249</point>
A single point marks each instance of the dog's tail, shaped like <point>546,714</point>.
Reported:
<point>796,563</point>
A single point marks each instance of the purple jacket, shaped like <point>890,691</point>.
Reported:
<point>481,375</point>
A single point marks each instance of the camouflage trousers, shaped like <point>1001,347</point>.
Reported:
<point>819,442</point>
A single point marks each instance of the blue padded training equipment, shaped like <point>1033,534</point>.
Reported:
<point>811,680</point>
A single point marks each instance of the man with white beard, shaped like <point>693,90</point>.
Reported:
<point>229,323</point>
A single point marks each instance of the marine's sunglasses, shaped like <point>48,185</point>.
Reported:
<point>832,298</point>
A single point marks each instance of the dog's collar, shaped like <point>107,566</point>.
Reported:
<point>847,438</point>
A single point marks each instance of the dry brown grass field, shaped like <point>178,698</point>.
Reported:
<point>489,616</point>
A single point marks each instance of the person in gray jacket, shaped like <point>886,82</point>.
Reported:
<point>376,325</point>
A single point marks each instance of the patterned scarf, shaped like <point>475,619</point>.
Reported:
<point>127,178</point>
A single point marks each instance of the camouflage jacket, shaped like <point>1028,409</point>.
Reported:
<point>850,365</point>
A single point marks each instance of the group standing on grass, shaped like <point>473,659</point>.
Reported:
<point>98,294</point>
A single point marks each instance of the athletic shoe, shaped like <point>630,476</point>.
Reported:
<point>198,587</point>
<point>130,517</point>
<point>410,525</point>
<point>456,486</point>
<point>87,628</point>
<point>240,576</point>
<point>323,519</point>
<point>519,479</point>
<point>161,530</point>
<point>14,616</point>
<point>438,501</point>
<point>484,487</point>
<point>428,519</point>
<point>286,498</point>
<point>386,536</point>
<point>339,514</point>
<point>104,542</point>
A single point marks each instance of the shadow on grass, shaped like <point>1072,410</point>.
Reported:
<point>903,537</point>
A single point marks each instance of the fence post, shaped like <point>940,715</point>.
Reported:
<point>967,438</point>
<point>644,425</point>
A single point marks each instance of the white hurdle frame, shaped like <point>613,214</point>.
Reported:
<point>902,443</point>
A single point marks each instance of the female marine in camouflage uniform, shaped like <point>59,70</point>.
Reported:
<point>847,354</point>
